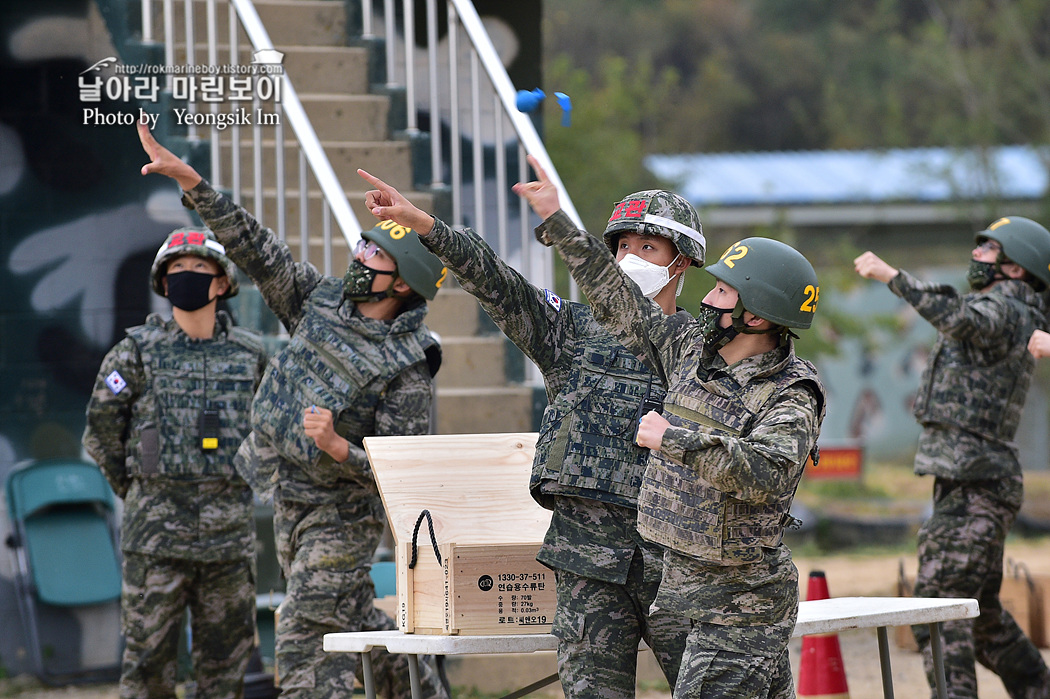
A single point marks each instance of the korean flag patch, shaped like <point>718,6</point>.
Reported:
<point>553,299</point>
<point>116,383</point>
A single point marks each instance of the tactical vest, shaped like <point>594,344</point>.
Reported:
<point>681,511</point>
<point>586,443</point>
<point>183,377</point>
<point>327,363</point>
<point>961,388</point>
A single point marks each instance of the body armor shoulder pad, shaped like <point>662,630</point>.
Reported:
<point>804,372</point>
<point>247,339</point>
<point>150,331</point>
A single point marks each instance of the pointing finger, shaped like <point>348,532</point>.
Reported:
<point>373,180</point>
<point>541,174</point>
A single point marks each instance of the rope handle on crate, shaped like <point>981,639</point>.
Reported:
<point>1019,570</point>
<point>433,539</point>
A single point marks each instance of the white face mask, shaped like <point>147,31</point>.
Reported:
<point>649,277</point>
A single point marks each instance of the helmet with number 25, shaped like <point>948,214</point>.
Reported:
<point>192,241</point>
<point>773,280</point>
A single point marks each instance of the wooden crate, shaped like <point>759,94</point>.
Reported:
<point>487,529</point>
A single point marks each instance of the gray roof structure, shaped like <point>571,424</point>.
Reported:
<point>847,187</point>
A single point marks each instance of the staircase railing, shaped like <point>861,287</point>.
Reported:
<point>484,202</point>
<point>226,172</point>
<point>497,131</point>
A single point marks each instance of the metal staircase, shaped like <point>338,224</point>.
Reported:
<point>354,83</point>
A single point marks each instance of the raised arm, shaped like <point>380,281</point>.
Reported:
<point>388,204</point>
<point>534,320</point>
<point>164,162</point>
<point>258,251</point>
<point>616,301</point>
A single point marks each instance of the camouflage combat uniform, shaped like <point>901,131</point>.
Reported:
<point>328,517</point>
<point>969,405</point>
<point>587,470</point>
<point>188,533</point>
<point>718,493</point>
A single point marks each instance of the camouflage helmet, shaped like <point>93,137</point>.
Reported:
<point>1023,241</point>
<point>421,269</point>
<point>662,213</point>
<point>192,241</point>
<point>773,280</point>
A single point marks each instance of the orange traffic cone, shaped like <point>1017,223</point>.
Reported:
<point>821,674</point>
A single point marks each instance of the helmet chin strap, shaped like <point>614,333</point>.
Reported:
<point>741,326</point>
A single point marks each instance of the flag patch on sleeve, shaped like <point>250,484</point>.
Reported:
<point>553,299</point>
<point>116,383</point>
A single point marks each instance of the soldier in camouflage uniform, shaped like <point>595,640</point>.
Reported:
<point>969,404</point>
<point>740,417</point>
<point>359,362</point>
<point>169,409</point>
<point>587,468</point>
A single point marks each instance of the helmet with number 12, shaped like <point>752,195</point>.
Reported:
<point>773,280</point>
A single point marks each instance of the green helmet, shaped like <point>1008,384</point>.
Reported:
<point>773,280</point>
<point>192,241</point>
<point>1023,241</point>
<point>421,269</point>
<point>663,213</point>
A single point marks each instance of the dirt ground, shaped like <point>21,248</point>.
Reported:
<point>853,575</point>
<point>847,575</point>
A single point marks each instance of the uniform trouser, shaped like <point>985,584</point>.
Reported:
<point>961,555</point>
<point>325,552</point>
<point>719,663</point>
<point>599,626</point>
<point>155,594</point>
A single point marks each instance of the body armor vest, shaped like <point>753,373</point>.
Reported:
<point>586,444</point>
<point>183,377</point>
<point>681,511</point>
<point>961,388</point>
<point>327,363</point>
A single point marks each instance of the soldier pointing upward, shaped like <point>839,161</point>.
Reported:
<point>359,362</point>
<point>587,468</point>
<point>741,416</point>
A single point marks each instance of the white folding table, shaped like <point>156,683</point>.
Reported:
<point>819,616</point>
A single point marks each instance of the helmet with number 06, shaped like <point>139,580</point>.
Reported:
<point>663,213</point>
<point>1023,241</point>
<point>421,269</point>
<point>192,241</point>
<point>773,280</point>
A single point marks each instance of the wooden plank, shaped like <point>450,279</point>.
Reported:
<point>476,487</point>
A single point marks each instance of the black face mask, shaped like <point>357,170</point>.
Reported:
<point>981,274</point>
<point>715,337</point>
<point>357,283</point>
<point>190,291</point>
